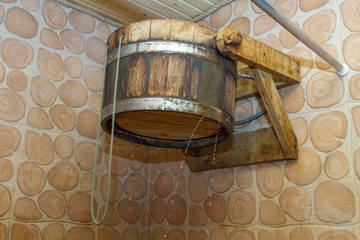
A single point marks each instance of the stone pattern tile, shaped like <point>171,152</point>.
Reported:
<point>50,83</point>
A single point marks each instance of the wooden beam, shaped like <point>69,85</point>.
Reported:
<point>276,112</point>
<point>241,149</point>
<point>245,49</point>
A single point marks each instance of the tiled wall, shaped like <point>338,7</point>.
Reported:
<point>50,80</point>
<point>315,197</point>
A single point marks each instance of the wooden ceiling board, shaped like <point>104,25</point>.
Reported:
<point>129,11</point>
<point>111,10</point>
<point>133,6</point>
<point>182,7</point>
<point>201,4</point>
<point>214,1</point>
<point>165,10</point>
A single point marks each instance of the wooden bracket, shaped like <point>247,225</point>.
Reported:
<point>264,145</point>
<point>270,69</point>
<point>242,48</point>
<point>246,51</point>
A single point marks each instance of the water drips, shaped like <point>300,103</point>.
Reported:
<point>132,150</point>
<point>192,135</point>
<point>215,145</point>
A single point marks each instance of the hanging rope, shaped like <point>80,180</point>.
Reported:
<point>210,11</point>
<point>90,12</point>
<point>111,139</point>
<point>119,25</point>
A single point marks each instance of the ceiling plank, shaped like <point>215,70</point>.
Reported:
<point>129,11</point>
<point>111,10</point>
<point>139,8</point>
<point>215,1</point>
<point>201,4</point>
<point>163,9</point>
<point>182,7</point>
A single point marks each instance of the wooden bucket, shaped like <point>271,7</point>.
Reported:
<point>171,77</point>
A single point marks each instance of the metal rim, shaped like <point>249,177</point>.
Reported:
<point>165,47</point>
<point>170,104</point>
<point>197,143</point>
<point>166,104</point>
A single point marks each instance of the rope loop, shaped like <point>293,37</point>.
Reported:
<point>111,139</point>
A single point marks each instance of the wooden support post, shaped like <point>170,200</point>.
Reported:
<point>276,111</point>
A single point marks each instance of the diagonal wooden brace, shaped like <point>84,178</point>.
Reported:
<point>276,111</point>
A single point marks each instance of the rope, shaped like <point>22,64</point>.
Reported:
<point>210,11</point>
<point>119,25</point>
<point>90,12</point>
<point>112,136</point>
